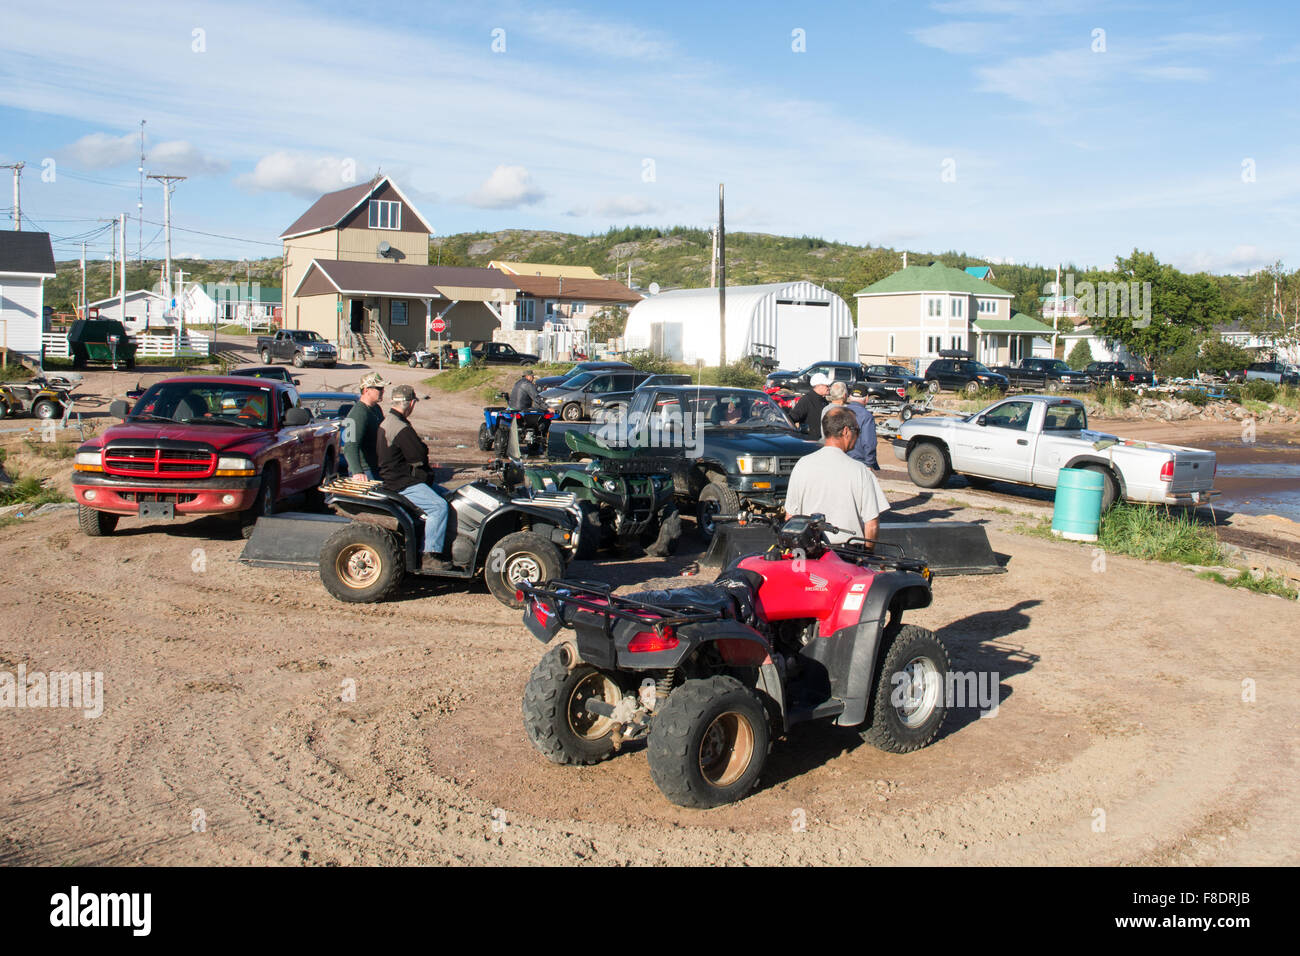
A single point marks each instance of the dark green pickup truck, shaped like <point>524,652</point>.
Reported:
<point>739,447</point>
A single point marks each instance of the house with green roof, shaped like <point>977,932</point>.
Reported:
<point>920,310</point>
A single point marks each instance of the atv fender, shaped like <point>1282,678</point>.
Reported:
<point>850,654</point>
<point>508,518</point>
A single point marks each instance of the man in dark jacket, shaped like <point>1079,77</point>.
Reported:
<point>361,428</point>
<point>404,467</point>
<point>865,450</point>
<point>807,412</point>
<point>525,394</point>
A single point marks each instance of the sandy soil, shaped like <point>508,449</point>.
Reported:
<point>1120,685</point>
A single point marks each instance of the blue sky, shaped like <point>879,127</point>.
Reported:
<point>1027,131</point>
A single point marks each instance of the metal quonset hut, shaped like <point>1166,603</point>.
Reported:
<point>802,321</point>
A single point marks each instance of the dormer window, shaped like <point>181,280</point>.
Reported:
<point>385,214</point>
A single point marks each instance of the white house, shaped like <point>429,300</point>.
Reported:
<point>1102,349</point>
<point>26,261</point>
<point>803,322</point>
<point>144,309</point>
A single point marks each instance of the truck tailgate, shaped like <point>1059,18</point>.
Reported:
<point>1193,470</point>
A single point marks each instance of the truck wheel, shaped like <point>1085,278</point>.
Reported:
<point>708,743</point>
<point>972,388</point>
<point>1109,487</point>
<point>927,465</point>
<point>555,713</point>
<point>96,524</point>
<point>297,360</point>
<point>484,438</point>
<point>266,356</point>
<point>265,505</point>
<point>715,499</point>
<point>361,563</point>
<point>907,703</point>
<point>933,386</point>
<point>45,410</point>
<point>572,412</point>
<point>329,470</point>
<point>521,558</point>
<point>1053,386</point>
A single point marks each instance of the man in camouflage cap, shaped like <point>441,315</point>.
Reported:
<point>362,425</point>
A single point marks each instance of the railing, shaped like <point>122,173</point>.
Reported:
<point>189,345</point>
<point>383,340</point>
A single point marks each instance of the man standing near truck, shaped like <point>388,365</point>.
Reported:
<point>361,428</point>
<point>830,483</point>
<point>807,412</point>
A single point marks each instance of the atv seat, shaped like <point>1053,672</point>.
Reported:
<point>733,595</point>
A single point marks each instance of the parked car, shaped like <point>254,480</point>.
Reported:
<point>574,399</point>
<point>503,353</point>
<point>1028,439</point>
<point>550,381</point>
<point>1279,373</point>
<point>299,346</point>
<point>277,372</point>
<point>615,404</point>
<point>200,445</point>
<point>736,446</point>
<point>100,340</point>
<point>1044,374</point>
<point>893,375</point>
<point>963,375</point>
<point>328,406</point>
<point>794,384</point>
<point>1103,373</point>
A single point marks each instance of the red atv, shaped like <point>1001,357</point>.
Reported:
<point>709,675</point>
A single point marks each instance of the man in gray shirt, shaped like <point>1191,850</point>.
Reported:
<point>830,483</point>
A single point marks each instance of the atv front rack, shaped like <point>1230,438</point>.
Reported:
<point>597,598</point>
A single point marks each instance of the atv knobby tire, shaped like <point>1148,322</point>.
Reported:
<point>555,716</point>
<point>709,742</point>
<point>484,438</point>
<point>894,726</point>
<point>361,563</point>
<point>518,558</point>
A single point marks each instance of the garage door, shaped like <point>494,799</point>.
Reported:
<point>803,335</point>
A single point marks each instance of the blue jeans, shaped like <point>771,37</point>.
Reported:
<point>434,506</point>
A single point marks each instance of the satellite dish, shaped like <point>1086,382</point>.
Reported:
<point>654,288</point>
<point>384,248</point>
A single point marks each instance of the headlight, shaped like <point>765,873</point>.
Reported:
<point>88,461</point>
<point>597,401</point>
<point>751,465</point>
<point>235,467</point>
<point>554,401</point>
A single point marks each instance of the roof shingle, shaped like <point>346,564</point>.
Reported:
<point>29,253</point>
<point>935,277</point>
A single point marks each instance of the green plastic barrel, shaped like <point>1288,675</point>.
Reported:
<point>466,356</point>
<point>1077,512</point>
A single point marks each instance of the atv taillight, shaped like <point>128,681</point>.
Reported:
<point>647,642</point>
<point>540,611</point>
<point>1167,470</point>
<point>548,416</point>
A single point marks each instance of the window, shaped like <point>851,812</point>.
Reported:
<point>933,344</point>
<point>1014,415</point>
<point>934,307</point>
<point>578,308</point>
<point>956,341</point>
<point>891,345</point>
<point>385,214</point>
<point>397,312</point>
<point>526,312</point>
<point>986,306</point>
<point>958,308</point>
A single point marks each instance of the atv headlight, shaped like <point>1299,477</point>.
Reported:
<point>235,467</point>
<point>755,465</point>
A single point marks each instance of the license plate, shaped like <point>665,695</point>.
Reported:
<point>158,509</point>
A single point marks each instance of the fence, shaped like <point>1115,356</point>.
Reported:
<point>189,345</point>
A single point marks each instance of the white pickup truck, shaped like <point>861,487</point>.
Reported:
<point>1028,439</point>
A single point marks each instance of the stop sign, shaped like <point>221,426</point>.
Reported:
<point>439,325</point>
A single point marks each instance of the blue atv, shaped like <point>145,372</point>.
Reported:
<point>533,427</point>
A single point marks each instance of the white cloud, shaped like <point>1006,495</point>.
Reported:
<point>1241,260</point>
<point>960,36</point>
<point>627,206</point>
<point>103,151</point>
<point>1176,73</point>
<point>580,32</point>
<point>507,188</point>
<point>182,158</point>
<point>307,176</point>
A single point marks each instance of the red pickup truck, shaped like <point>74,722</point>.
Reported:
<point>201,445</point>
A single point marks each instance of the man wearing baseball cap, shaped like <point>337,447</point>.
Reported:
<point>404,467</point>
<point>361,426</point>
<point>525,395</point>
<point>807,412</point>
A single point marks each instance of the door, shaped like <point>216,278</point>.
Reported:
<point>1006,442</point>
<point>803,335</point>
<point>666,340</point>
<point>357,321</point>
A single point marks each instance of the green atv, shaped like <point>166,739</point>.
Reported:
<point>626,499</point>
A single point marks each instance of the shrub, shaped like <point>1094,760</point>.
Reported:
<point>1259,390</point>
<point>1115,396</point>
<point>737,375</point>
<point>1194,396</point>
<point>649,362</point>
<point>1146,532</point>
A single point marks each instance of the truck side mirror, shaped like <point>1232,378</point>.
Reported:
<point>297,416</point>
<point>982,420</point>
<point>120,408</point>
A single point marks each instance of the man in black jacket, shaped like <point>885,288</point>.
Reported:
<point>404,467</point>
<point>807,412</point>
<point>525,394</point>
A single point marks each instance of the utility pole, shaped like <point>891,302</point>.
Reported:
<point>713,262</point>
<point>180,306</point>
<point>139,206</point>
<point>168,187</point>
<point>18,203</point>
<point>84,310</point>
<point>121,289</point>
<point>722,281</point>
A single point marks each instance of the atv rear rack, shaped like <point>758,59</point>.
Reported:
<point>604,603</point>
<point>353,487</point>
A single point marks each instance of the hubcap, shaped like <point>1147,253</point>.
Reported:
<point>726,749</point>
<point>595,686</point>
<point>358,565</point>
<point>571,413</point>
<point>920,692</point>
<point>523,569</point>
<point>927,463</point>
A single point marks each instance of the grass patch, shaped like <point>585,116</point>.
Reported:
<point>1042,529</point>
<point>29,491</point>
<point>15,372</point>
<point>1154,535</point>
<point>56,450</point>
<point>1266,584</point>
<point>461,379</point>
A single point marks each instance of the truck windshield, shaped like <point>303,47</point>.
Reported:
<point>201,403</point>
<point>307,336</point>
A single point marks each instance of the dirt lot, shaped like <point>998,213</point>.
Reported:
<point>1122,735</point>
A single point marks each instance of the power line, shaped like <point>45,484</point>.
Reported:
<point>214,235</point>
